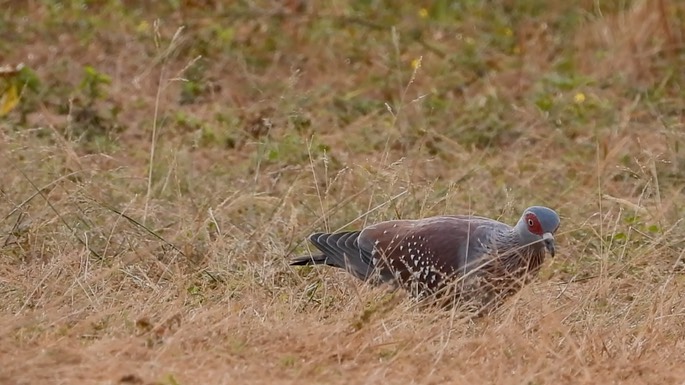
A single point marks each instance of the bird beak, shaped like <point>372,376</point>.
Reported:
<point>548,240</point>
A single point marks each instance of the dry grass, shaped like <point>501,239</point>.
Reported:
<point>133,258</point>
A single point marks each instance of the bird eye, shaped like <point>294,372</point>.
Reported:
<point>530,222</point>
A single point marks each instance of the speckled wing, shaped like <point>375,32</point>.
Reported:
<point>426,252</point>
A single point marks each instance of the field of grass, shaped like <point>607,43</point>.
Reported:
<point>161,162</point>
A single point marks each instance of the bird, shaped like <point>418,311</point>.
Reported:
<point>453,258</point>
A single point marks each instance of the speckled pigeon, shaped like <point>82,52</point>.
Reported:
<point>472,258</point>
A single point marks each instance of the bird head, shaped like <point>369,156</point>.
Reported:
<point>538,224</point>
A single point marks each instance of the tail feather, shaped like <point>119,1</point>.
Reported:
<point>305,260</point>
<point>340,250</point>
<point>330,256</point>
<point>334,258</point>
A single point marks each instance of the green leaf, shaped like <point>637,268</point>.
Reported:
<point>545,103</point>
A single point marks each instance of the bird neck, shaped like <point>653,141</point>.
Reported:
<point>507,239</point>
<point>525,251</point>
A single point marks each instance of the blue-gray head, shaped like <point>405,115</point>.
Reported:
<point>538,224</point>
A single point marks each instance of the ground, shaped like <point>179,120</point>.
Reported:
<point>161,162</point>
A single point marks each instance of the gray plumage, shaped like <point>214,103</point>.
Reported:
<point>463,257</point>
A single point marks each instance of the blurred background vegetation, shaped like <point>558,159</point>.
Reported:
<point>195,144</point>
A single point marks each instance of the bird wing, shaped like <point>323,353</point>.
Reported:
<point>429,249</point>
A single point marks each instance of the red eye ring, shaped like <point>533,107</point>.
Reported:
<point>533,224</point>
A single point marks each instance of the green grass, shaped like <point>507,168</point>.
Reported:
<point>130,257</point>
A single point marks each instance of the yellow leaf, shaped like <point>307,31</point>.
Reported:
<point>9,100</point>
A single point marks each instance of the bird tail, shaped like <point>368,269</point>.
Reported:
<point>339,250</point>
<point>305,260</point>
